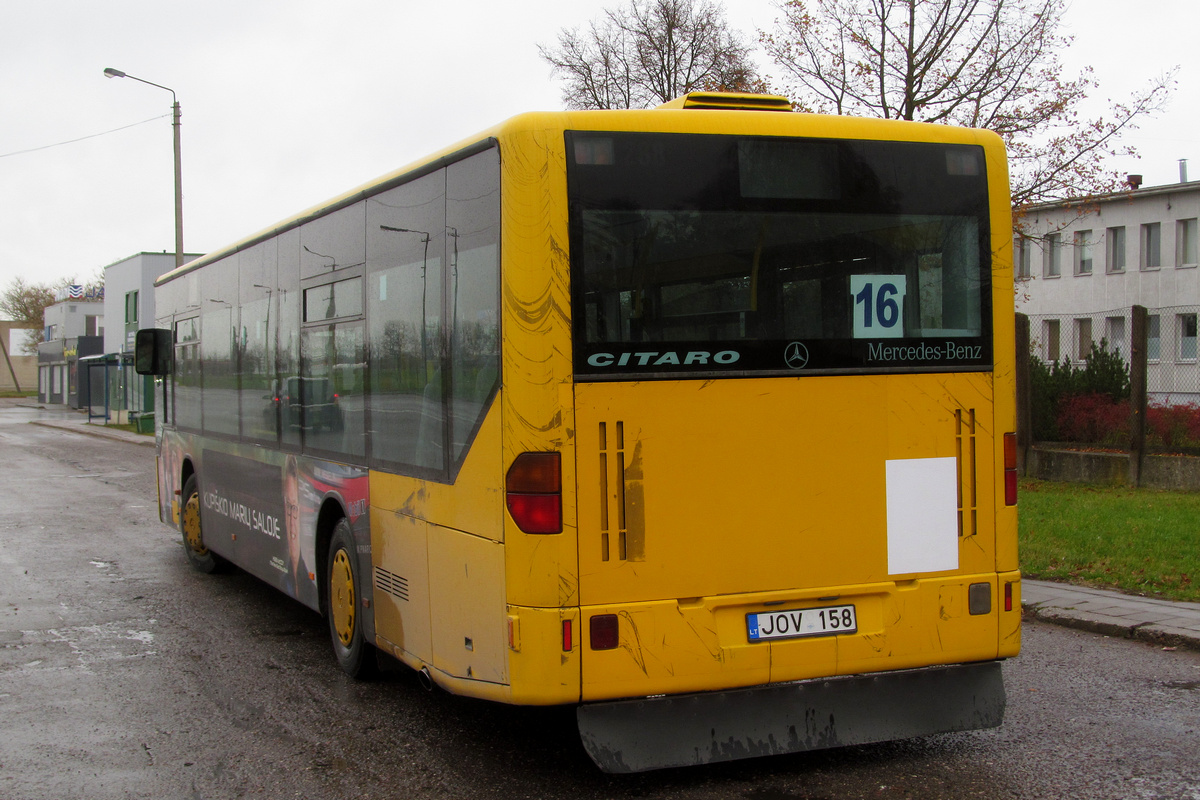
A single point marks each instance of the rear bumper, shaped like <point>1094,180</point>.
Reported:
<point>671,647</point>
<point>685,730</point>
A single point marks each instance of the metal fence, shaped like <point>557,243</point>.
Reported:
<point>1172,367</point>
<point>1125,379</point>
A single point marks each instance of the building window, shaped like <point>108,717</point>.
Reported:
<point>1051,336</point>
<point>1151,246</point>
<point>1185,243</point>
<point>131,308</point>
<point>1052,256</point>
<point>1021,257</point>
<point>1114,334</point>
<point>1153,338</point>
<point>1187,337</point>
<point>1083,338</point>
<point>1115,255</point>
<point>93,325</point>
<point>1083,252</point>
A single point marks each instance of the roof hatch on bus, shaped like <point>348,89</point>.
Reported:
<point>730,101</point>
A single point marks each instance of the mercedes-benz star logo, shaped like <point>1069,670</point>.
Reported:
<point>796,355</point>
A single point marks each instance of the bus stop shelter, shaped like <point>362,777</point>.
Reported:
<point>116,393</point>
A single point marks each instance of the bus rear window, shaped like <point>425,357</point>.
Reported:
<point>698,254</point>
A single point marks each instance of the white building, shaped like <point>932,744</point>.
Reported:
<point>73,327</point>
<point>1081,266</point>
<point>128,306</point>
<point>129,296</point>
<point>71,318</point>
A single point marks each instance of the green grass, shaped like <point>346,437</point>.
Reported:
<point>1143,541</point>
<point>10,393</point>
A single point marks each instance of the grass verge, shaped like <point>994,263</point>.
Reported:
<point>1143,541</point>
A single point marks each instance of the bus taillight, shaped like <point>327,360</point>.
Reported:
<point>605,632</point>
<point>533,492</point>
<point>1010,469</point>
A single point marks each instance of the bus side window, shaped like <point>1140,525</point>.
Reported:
<point>404,293</point>
<point>473,251</point>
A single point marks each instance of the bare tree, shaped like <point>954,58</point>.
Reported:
<point>651,52</point>
<point>981,63</point>
<point>24,302</point>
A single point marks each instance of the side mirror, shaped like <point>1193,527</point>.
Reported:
<point>153,351</point>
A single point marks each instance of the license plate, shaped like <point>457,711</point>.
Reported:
<point>801,622</point>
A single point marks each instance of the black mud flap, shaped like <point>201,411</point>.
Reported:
<point>684,730</point>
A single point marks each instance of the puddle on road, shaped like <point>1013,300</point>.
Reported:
<point>87,645</point>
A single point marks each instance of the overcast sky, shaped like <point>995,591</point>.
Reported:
<point>287,103</point>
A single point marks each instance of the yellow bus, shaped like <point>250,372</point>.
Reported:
<point>697,418</point>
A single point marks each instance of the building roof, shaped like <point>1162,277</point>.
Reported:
<point>1124,194</point>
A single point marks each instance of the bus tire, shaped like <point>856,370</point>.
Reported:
<point>199,556</point>
<point>343,599</point>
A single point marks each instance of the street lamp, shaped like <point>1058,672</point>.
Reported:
<point>109,72</point>
<point>425,237</point>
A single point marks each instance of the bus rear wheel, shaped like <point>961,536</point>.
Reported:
<point>343,599</point>
<point>198,555</point>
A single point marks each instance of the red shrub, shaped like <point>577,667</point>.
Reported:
<point>1173,426</point>
<point>1094,419</point>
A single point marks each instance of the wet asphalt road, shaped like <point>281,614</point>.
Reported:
<point>124,674</point>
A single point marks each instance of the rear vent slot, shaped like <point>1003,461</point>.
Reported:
<point>964,447</point>
<point>612,525</point>
<point>391,583</point>
<point>622,520</point>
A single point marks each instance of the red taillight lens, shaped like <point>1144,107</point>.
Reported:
<point>536,513</point>
<point>605,633</point>
<point>1008,596</point>
<point>567,643</point>
<point>1010,469</point>
<point>533,492</point>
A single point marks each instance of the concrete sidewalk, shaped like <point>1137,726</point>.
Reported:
<point>76,422</point>
<point>1162,622</point>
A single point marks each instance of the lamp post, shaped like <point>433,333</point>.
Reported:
<point>425,237</point>
<point>109,72</point>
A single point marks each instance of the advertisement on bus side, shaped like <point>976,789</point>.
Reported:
<point>267,513</point>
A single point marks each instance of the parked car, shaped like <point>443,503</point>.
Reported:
<point>310,403</point>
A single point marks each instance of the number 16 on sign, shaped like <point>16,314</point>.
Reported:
<point>878,305</point>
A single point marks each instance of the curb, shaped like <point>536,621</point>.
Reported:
<point>97,432</point>
<point>1145,632</point>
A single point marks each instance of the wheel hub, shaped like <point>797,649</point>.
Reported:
<point>341,598</point>
<point>191,526</point>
